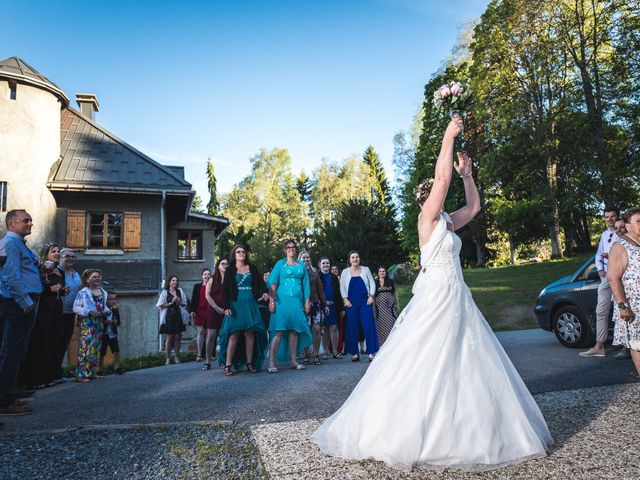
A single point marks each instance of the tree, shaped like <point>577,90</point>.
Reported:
<point>361,225</point>
<point>196,205</point>
<point>334,184</point>
<point>521,79</point>
<point>303,185</point>
<point>265,208</point>
<point>213,206</point>
<point>380,191</point>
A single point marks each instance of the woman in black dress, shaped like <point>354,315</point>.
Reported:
<point>40,366</point>
<point>173,317</point>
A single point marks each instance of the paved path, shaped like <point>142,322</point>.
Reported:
<point>185,393</point>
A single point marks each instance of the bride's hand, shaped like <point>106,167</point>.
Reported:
<point>454,128</point>
<point>464,164</point>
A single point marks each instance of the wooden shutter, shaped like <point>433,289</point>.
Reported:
<point>132,230</point>
<point>76,220</point>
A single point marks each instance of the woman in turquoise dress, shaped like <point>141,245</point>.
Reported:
<point>243,338</point>
<point>289,305</point>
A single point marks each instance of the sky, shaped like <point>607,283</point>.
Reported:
<point>186,80</point>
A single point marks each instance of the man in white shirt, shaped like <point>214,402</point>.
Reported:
<point>603,308</point>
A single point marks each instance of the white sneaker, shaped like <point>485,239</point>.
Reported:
<point>593,352</point>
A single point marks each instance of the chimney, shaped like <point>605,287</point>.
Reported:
<point>88,104</point>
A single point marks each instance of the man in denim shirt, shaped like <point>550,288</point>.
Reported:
<point>20,286</point>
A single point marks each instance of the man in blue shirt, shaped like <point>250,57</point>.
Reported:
<point>20,287</point>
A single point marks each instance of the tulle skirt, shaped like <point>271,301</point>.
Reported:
<point>440,393</point>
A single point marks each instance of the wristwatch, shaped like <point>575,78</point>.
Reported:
<point>622,306</point>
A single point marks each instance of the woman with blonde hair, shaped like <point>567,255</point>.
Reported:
<point>91,309</point>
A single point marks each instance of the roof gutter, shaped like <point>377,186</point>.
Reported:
<point>163,260</point>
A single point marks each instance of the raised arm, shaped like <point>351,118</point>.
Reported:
<point>434,204</point>
<point>461,217</point>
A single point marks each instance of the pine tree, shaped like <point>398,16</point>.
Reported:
<point>303,185</point>
<point>213,205</point>
<point>380,191</point>
<point>196,205</point>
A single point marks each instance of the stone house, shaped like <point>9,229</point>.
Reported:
<point>120,210</point>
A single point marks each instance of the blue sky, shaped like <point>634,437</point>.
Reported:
<point>186,80</point>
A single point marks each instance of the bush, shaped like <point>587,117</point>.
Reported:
<point>137,363</point>
<point>402,273</point>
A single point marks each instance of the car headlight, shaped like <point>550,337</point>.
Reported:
<point>542,292</point>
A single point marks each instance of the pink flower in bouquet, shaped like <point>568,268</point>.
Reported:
<point>445,91</point>
<point>456,88</point>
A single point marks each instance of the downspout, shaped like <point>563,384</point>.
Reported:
<point>163,263</point>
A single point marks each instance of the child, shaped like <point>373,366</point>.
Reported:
<point>110,335</point>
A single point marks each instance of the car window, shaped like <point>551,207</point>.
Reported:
<point>585,273</point>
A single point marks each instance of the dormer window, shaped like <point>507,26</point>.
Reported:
<point>13,90</point>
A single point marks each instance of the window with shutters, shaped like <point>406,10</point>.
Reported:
<point>105,230</point>
<point>3,196</point>
<point>190,245</point>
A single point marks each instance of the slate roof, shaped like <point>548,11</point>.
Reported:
<point>131,276</point>
<point>15,68</point>
<point>94,159</point>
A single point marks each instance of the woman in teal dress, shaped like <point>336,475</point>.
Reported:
<point>243,338</point>
<point>289,291</point>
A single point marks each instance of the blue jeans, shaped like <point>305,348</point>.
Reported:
<point>15,340</point>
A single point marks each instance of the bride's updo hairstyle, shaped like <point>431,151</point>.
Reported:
<point>423,190</point>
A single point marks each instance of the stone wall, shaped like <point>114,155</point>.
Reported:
<point>29,145</point>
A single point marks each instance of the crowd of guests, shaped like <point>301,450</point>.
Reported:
<point>618,263</point>
<point>295,314</point>
<point>42,300</point>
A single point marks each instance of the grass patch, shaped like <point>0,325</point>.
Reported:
<point>137,363</point>
<point>506,295</point>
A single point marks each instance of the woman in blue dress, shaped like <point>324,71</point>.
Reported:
<point>289,304</point>
<point>358,287</point>
<point>243,338</point>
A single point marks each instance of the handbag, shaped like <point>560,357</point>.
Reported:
<point>186,318</point>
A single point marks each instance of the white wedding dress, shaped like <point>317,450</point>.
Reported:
<point>441,391</point>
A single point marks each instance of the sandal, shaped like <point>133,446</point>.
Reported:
<point>305,359</point>
<point>167,361</point>
<point>176,360</point>
<point>227,370</point>
<point>273,370</point>
<point>206,366</point>
<point>251,368</point>
<point>298,367</point>
<point>316,360</point>
<point>337,355</point>
<point>355,358</point>
<point>325,356</point>
<point>371,357</point>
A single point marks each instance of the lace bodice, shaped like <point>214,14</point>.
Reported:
<point>442,252</point>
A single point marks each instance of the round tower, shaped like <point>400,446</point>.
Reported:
<point>30,107</point>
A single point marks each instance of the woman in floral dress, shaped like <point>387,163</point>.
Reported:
<point>624,276</point>
<point>91,307</point>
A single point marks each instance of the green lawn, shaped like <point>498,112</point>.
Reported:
<point>506,295</point>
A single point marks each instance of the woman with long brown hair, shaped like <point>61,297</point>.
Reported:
<point>215,311</point>
<point>172,303</point>
<point>243,338</point>
<point>39,367</point>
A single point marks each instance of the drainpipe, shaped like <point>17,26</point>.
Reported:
<point>163,263</point>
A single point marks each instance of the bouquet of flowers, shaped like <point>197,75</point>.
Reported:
<point>453,98</point>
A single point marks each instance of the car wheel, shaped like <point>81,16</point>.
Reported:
<point>571,327</point>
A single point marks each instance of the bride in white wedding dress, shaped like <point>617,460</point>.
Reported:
<point>441,392</point>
